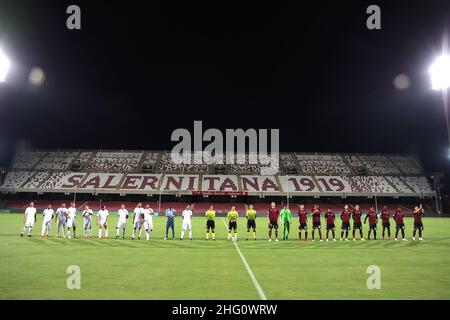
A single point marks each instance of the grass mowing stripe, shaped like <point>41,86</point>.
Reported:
<point>249,271</point>
<point>410,269</point>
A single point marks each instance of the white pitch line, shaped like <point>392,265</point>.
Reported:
<point>249,271</point>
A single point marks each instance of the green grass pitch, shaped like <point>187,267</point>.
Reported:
<point>35,268</point>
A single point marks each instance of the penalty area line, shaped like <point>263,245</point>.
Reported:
<point>260,291</point>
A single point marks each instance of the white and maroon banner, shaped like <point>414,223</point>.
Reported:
<point>144,182</point>
<point>102,181</point>
<point>107,181</point>
<point>179,182</point>
<point>260,184</point>
<point>224,183</point>
<point>340,184</point>
<point>293,184</point>
<point>204,184</point>
<point>63,180</point>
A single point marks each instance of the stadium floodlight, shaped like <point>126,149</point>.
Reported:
<point>440,80</point>
<point>4,66</point>
<point>440,73</point>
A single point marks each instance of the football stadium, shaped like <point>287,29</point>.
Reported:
<point>126,260</point>
<point>189,160</point>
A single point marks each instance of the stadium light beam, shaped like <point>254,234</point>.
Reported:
<point>4,66</point>
<point>440,80</point>
<point>440,73</point>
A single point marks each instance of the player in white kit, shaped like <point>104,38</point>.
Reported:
<point>137,220</point>
<point>187,222</point>
<point>148,220</point>
<point>29,219</point>
<point>72,220</point>
<point>102,221</point>
<point>122,223</point>
<point>61,219</point>
<point>47,220</point>
<point>87,222</point>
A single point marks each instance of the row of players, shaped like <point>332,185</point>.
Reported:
<point>143,219</point>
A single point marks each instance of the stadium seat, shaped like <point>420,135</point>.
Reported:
<point>322,164</point>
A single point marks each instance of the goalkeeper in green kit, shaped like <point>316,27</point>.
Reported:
<point>285,217</point>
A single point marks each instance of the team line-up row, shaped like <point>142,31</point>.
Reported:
<point>143,220</point>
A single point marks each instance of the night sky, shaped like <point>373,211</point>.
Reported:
<point>134,73</point>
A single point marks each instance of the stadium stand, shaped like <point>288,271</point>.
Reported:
<point>54,163</point>
<point>146,172</point>
<point>57,180</point>
<point>105,180</point>
<point>322,164</point>
<point>114,161</point>
<point>178,206</point>
<point>398,184</point>
<point>85,157</point>
<point>418,184</point>
<point>15,179</point>
<point>26,160</point>
<point>150,158</point>
<point>56,160</point>
<point>166,165</point>
<point>354,162</point>
<point>288,161</point>
<point>379,164</point>
<point>335,184</point>
<point>37,180</point>
<point>372,184</point>
<point>245,168</point>
<point>408,165</point>
<point>246,164</point>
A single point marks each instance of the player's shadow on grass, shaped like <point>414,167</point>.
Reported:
<point>62,241</point>
<point>388,243</point>
<point>433,240</point>
<point>222,244</point>
<point>412,244</point>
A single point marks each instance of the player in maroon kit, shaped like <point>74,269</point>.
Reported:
<point>303,222</point>
<point>356,215</point>
<point>399,225</point>
<point>385,222</point>
<point>418,225</point>
<point>316,221</point>
<point>330,217</point>
<point>273,221</point>
<point>373,220</point>
<point>345,217</point>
